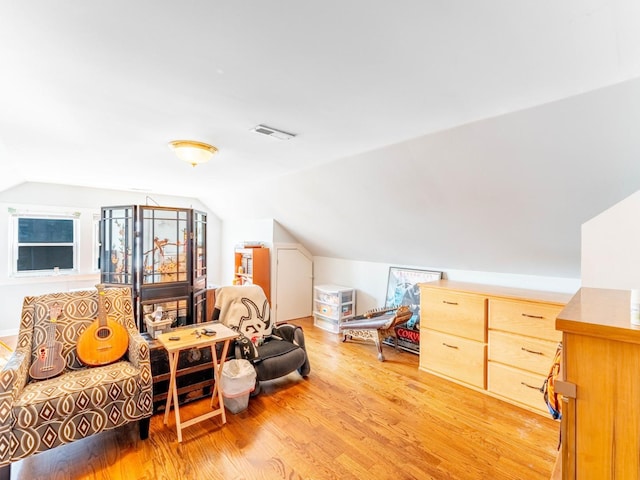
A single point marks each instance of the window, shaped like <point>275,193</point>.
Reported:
<point>44,244</point>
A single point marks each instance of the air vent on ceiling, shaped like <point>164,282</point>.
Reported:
<point>272,132</point>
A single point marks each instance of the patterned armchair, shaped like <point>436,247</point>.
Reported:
<point>39,415</point>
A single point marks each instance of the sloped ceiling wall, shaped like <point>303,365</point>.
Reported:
<point>92,95</point>
<point>508,194</point>
<point>611,247</point>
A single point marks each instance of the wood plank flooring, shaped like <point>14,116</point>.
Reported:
<point>353,418</point>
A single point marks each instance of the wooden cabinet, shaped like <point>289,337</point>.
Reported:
<point>522,344</point>
<point>601,387</point>
<point>522,317</point>
<point>160,253</point>
<point>253,267</point>
<point>522,352</point>
<point>495,339</point>
<point>453,334</point>
<point>211,303</point>
<point>452,356</point>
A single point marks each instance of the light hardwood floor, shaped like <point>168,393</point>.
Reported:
<point>353,418</point>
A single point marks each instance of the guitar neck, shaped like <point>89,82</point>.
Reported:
<point>54,313</point>
<point>51,332</point>
<point>102,313</point>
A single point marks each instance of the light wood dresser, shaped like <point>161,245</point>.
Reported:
<point>493,339</point>
<point>601,386</point>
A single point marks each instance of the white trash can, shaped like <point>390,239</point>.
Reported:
<point>238,381</point>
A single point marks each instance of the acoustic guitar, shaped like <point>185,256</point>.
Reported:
<point>105,340</point>
<point>49,361</point>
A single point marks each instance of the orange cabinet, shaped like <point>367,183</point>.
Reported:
<point>253,267</point>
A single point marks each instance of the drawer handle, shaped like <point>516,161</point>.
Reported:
<point>530,386</point>
<point>532,351</point>
<point>539,317</point>
<point>449,303</point>
<point>449,346</point>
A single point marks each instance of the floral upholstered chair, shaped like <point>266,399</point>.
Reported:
<point>37,415</point>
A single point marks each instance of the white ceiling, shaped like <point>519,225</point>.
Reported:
<point>92,91</point>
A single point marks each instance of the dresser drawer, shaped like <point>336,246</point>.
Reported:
<point>518,385</point>
<point>525,318</point>
<point>455,357</point>
<point>527,353</point>
<point>455,313</point>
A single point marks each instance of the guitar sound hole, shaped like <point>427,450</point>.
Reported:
<point>103,333</point>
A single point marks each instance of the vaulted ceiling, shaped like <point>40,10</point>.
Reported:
<point>459,134</point>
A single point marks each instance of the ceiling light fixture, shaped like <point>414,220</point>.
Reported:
<point>193,152</point>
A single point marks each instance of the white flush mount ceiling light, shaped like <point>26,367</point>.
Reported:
<point>272,132</point>
<point>193,152</point>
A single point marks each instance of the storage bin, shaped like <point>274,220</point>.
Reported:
<point>238,403</point>
<point>155,328</point>
<point>332,305</point>
<point>238,381</point>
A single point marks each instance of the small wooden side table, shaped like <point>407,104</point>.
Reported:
<point>187,338</point>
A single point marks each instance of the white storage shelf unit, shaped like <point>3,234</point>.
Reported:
<point>333,304</point>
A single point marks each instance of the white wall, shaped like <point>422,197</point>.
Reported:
<point>505,194</point>
<point>611,247</point>
<point>370,279</point>
<point>46,198</point>
<point>282,235</point>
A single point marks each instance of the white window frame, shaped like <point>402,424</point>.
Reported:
<point>44,216</point>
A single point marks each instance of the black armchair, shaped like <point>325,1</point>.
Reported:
<point>274,350</point>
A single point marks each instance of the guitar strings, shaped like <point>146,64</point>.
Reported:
<point>48,361</point>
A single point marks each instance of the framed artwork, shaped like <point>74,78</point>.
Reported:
<point>403,289</point>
